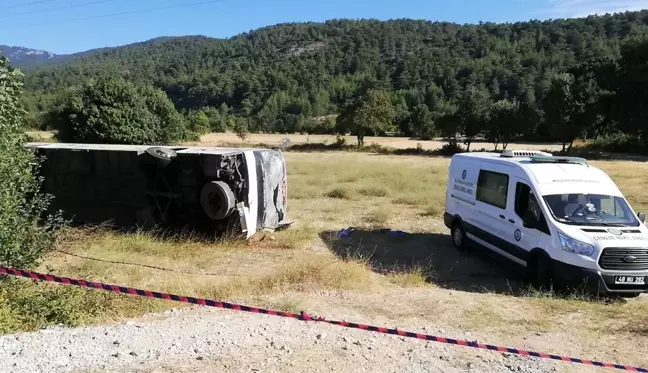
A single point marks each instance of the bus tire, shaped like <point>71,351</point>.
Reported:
<point>161,156</point>
<point>217,200</point>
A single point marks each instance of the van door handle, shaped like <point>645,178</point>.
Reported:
<point>502,216</point>
<point>512,221</point>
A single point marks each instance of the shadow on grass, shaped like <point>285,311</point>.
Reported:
<point>390,252</point>
<point>474,271</point>
<point>171,233</point>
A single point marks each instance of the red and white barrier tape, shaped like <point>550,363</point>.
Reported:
<point>302,316</point>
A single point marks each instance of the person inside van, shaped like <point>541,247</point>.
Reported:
<point>590,209</point>
<point>575,202</point>
<point>533,207</point>
<point>557,205</point>
<point>528,208</point>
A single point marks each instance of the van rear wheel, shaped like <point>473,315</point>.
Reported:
<point>459,239</point>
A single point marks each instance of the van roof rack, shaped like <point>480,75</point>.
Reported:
<point>561,159</point>
<point>509,153</point>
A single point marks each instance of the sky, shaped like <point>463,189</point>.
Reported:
<point>68,26</point>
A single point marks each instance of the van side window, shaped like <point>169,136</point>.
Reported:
<point>492,188</point>
<point>524,197</point>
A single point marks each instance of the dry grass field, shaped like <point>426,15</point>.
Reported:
<point>216,139</point>
<point>230,139</point>
<point>41,135</point>
<point>416,279</point>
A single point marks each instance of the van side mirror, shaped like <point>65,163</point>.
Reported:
<point>642,217</point>
<point>529,220</point>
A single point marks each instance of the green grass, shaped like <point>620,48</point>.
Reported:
<point>27,306</point>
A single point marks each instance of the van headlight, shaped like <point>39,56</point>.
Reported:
<point>574,246</point>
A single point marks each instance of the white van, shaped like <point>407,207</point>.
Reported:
<point>561,220</point>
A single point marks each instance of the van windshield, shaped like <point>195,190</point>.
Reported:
<point>591,209</point>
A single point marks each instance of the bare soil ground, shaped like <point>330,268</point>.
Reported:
<point>411,281</point>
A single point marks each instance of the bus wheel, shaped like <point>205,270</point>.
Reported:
<point>162,156</point>
<point>217,200</point>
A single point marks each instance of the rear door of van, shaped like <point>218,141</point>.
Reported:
<point>460,194</point>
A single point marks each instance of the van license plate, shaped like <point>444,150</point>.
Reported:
<point>629,280</point>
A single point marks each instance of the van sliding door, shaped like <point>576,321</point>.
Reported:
<point>492,213</point>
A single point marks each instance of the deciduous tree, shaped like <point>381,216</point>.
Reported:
<point>372,113</point>
<point>560,107</point>
<point>473,113</point>
<point>113,110</point>
<point>422,122</point>
<point>503,123</point>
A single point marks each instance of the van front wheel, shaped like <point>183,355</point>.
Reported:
<point>540,272</point>
<point>458,236</point>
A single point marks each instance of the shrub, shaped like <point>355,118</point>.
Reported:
<point>29,306</point>
<point>26,306</point>
<point>339,193</point>
<point>241,129</point>
<point>199,123</point>
<point>373,192</point>
<point>23,239</point>
<point>113,110</point>
<point>451,148</point>
<point>617,143</point>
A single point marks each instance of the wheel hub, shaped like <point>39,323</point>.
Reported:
<point>458,237</point>
<point>162,153</point>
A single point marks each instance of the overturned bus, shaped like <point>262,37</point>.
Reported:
<point>205,188</point>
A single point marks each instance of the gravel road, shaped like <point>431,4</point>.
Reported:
<point>201,339</point>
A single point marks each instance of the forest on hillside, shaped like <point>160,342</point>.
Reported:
<point>541,80</point>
